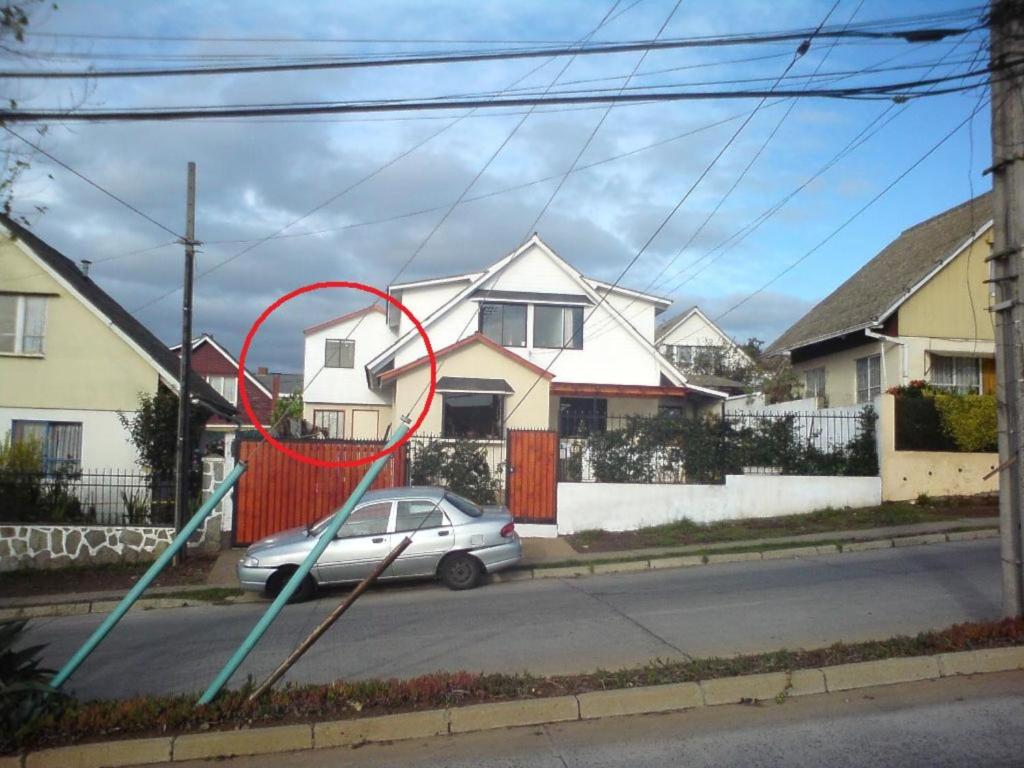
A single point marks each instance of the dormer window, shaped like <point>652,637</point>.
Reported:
<point>504,324</point>
<point>557,327</point>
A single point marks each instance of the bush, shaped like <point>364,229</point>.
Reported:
<point>460,466</point>
<point>29,494</point>
<point>25,693</point>
<point>969,420</point>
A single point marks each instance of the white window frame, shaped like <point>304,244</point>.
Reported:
<point>337,416</point>
<point>218,380</point>
<point>868,359</point>
<point>343,346</point>
<point>20,313</point>
<point>819,374</point>
<point>956,386</point>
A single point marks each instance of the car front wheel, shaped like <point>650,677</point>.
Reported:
<point>461,571</point>
<point>280,577</point>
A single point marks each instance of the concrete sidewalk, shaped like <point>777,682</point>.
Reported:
<point>540,552</point>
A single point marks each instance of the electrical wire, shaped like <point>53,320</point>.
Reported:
<point>90,182</point>
<point>870,30</point>
<point>903,90</point>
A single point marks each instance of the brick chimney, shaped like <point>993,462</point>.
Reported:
<point>262,370</point>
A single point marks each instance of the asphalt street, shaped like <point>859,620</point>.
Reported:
<point>550,626</point>
<point>936,724</point>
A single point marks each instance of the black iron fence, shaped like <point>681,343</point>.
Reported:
<point>474,468</point>
<point>675,449</point>
<point>86,497</point>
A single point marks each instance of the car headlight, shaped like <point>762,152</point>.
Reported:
<point>250,562</point>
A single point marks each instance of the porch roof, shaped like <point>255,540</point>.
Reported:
<point>569,388</point>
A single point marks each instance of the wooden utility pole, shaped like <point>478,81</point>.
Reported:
<point>184,459</point>
<point>1006,46</point>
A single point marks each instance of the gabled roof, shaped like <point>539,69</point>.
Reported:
<point>670,325</point>
<point>878,288</point>
<point>289,383</point>
<point>120,320</point>
<point>212,342</point>
<point>338,320</point>
<point>476,338</point>
<point>376,365</point>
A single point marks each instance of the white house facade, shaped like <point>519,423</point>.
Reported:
<point>528,342</point>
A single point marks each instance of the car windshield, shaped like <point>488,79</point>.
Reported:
<point>465,506</point>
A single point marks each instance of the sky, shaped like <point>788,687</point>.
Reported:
<point>256,177</point>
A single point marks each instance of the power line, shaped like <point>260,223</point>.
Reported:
<point>916,35</point>
<point>800,51</point>
<point>357,183</point>
<point>743,173</point>
<point>960,13</point>
<point>900,90</point>
<point>90,182</point>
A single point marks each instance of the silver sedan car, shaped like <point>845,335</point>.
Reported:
<point>452,539</point>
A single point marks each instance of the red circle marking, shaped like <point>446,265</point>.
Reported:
<point>309,459</point>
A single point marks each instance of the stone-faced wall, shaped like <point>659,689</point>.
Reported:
<point>58,546</point>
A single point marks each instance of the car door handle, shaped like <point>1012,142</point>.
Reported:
<point>378,540</point>
<point>443,533</point>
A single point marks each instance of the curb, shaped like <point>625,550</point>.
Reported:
<point>599,567</point>
<point>106,606</point>
<point>672,697</point>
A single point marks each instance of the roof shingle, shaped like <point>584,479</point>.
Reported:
<point>889,276</point>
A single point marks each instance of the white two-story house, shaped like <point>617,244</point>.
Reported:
<point>702,350</point>
<point>528,342</point>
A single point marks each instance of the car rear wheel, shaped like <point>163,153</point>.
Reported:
<point>461,571</point>
<point>280,577</point>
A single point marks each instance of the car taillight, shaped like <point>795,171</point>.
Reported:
<point>508,529</point>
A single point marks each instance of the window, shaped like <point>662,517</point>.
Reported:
<point>339,353</point>
<point>558,327</point>
<point>331,422</point>
<point>60,441</point>
<point>707,358</point>
<point>869,378</point>
<point>814,382</point>
<point>369,520</point>
<point>580,416</point>
<point>465,506</point>
<point>414,515</point>
<point>956,374</point>
<point>22,324</point>
<point>471,415</point>
<point>226,387</point>
<point>504,324</point>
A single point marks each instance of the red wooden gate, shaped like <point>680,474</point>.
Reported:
<point>531,485</point>
<point>278,492</point>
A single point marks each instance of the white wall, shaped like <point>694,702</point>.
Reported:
<point>628,506</point>
<point>105,443</point>
<point>345,385</point>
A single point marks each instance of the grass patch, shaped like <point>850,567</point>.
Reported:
<point>165,715</point>
<point>686,532</point>
<point>101,577</point>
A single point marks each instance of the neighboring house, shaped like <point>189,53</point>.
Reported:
<point>702,351</point>
<point>72,359</point>
<point>280,384</point>
<point>219,368</point>
<point>917,310</point>
<point>337,399</point>
<point>497,334</point>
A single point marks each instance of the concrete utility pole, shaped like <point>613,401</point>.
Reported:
<point>184,462</point>
<point>1007,45</point>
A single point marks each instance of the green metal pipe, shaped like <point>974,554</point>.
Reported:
<point>154,570</point>
<point>303,570</point>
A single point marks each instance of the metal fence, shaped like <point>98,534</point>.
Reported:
<point>420,447</point>
<point>679,449</point>
<point>88,497</point>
